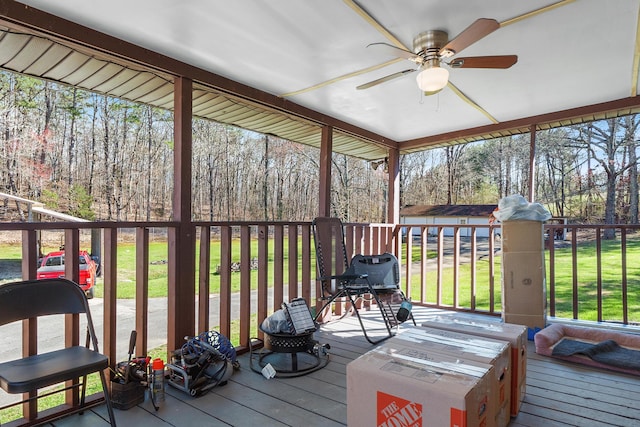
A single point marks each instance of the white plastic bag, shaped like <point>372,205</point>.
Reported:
<point>516,207</point>
<point>276,324</point>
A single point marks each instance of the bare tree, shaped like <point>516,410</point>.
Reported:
<point>558,166</point>
<point>453,155</point>
<point>605,141</point>
<point>631,125</point>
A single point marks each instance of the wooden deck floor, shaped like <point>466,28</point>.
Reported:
<point>558,394</point>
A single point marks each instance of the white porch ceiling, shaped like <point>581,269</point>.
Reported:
<point>313,54</point>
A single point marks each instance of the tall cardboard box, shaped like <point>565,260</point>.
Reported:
<point>468,348</point>
<point>514,334</point>
<point>395,384</point>
<point>524,299</point>
<point>522,236</point>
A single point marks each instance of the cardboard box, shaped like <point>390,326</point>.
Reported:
<point>522,236</point>
<point>533,322</point>
<point>514,334</point>
<point>466,348</point>
<point>395,384</point>
<point>524,287</point>
<point>523,283</point>
<point>524,296</point>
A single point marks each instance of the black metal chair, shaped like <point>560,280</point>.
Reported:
<point>373,279</point>
<point>34,299</point>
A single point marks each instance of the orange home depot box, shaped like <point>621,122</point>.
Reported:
<point>466,347</point>
<point>522,236</point>
<point>397,385</point>
<point>514,334</point>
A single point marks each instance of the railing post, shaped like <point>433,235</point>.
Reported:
<point>625,300</point>
<point>142,288</point>
<point>29,326</point>
<point>307,271</point>
<point>440,249</point>
<point>72,321</point>
<point>292,253</point>
<point>278,264</point>
<point>456,266</point>
<point>599,274</point>
<point>245,285</point>
<point>263,287</point>
<point>472,297</point>
<point>574,269</point>
<point>110,280</point>
<point>203,278</point>
<point>552,275</point>
<point>409,260</point>
<point>225,280</point>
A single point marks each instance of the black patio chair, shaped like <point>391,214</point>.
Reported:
<point>33,299</point>
<point>373,279</point>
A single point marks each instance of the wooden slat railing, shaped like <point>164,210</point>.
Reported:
<point>441,266</point>
<point>254,266</point>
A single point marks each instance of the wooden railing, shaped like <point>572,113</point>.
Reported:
<point>588,277</point>
<point>252,267</point>
<point>593,278</point>
<point>447,266</point>
<point>452,266</point>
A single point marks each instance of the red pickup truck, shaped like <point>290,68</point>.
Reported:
<point>52,266</point>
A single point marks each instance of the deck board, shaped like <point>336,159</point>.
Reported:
<point>573,393</point>
<point>559,394</point>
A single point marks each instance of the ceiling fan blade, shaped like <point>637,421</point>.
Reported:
<point>396,51</point>
<point>500,61</point>
<point>474,32</point>
<point>384,79</point>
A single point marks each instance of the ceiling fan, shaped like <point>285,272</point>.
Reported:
<point>432,48</point>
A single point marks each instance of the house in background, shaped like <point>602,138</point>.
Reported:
<point>447,214</point>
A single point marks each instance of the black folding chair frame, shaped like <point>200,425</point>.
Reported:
<point>33,299</point>
<point>351,283</point>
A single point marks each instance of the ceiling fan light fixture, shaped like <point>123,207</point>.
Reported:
<point>432,79</point>
<point>433,92</point>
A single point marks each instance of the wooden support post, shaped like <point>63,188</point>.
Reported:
<point>532,164</point>
<point>181,268</point>
<point>393,199</point>
<point>326,149</point>
<point>394,239</point>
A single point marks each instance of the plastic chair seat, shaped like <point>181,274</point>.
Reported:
<point>42,370</point>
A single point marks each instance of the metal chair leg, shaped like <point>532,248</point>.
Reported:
<point>107,398</point>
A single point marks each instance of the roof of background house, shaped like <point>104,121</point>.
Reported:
<point>447,210</point>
